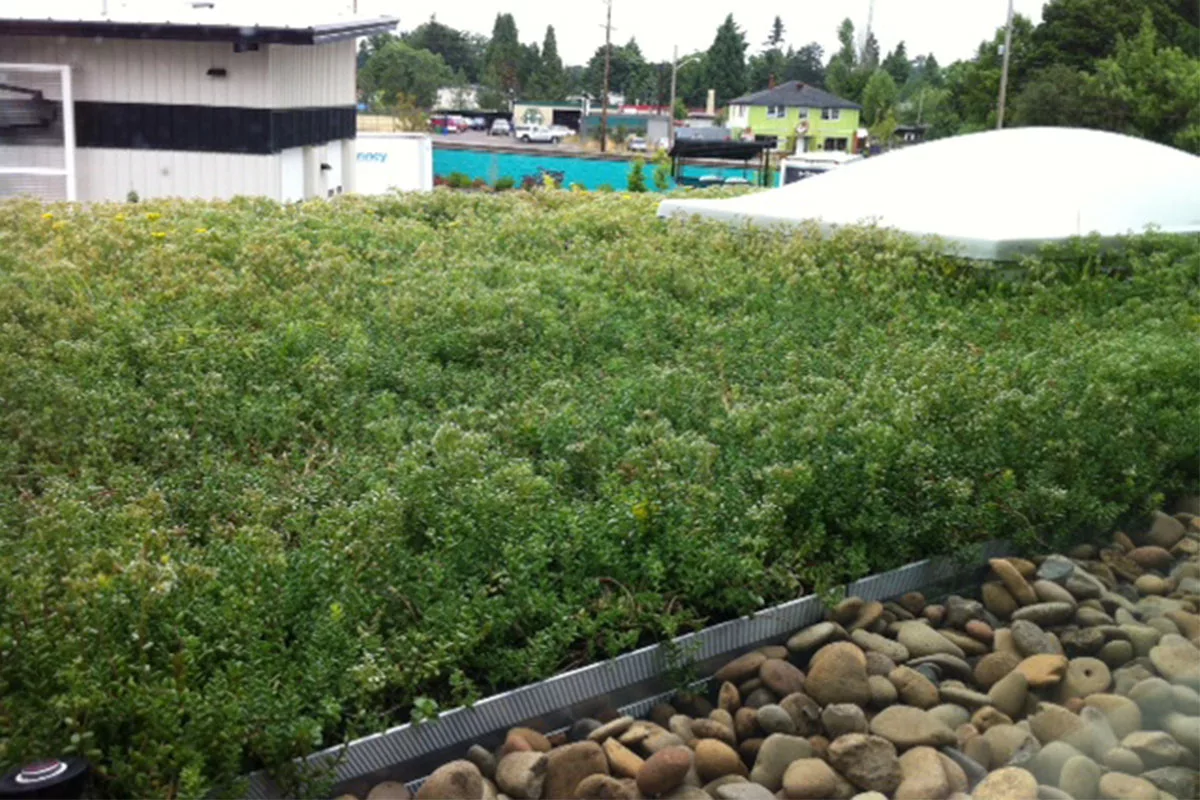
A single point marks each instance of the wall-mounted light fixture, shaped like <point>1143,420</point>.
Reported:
<point>216,72</point>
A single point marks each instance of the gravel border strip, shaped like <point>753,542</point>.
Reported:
<point>408,753</point>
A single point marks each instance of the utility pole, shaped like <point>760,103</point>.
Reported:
<point>671,110</point>
<point>607,69</point>
<point>1004,68</point>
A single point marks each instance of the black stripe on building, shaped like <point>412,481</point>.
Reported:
<point>212,129</point>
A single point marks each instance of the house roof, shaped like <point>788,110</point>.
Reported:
<point>196,21</point>
<point>793,94</point>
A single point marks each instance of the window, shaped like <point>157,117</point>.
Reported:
<point>832,114</point>
<point>835,144</point>
<point>776,112</point>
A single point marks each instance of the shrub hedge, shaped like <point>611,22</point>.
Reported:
<point>269,475</point>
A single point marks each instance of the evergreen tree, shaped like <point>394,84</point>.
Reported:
<point>725,63</point>
<point>550,82</point>
<point>806,64</point>
<point>775,38</point>
<point>503,60</point>
<point>897,64</point>
<point>870,58</point>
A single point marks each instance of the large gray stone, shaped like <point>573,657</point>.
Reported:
<point>774,756</point>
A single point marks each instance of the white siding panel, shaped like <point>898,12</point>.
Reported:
<point>132,71</point>
<point>291,170</point>
<point>110,174</point>
<point>304,77</point>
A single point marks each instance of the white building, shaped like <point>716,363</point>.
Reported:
<point>458,98</point>
<point>198,99</point>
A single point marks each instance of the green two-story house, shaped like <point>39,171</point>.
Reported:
<point>803,118</point>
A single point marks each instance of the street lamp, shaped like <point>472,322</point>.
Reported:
<point>675,62</point>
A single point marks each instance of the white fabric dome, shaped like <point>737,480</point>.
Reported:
<point>990,195</point>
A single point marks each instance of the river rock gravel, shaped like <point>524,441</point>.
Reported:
<point>1073,676</point>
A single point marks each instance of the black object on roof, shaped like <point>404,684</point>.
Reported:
<point>699,148</point>
<point>192,32</point>
<point>794,94</point>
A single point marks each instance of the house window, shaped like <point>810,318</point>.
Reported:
<point>836,144</point>
<point>776,112</point>
<point>832,114</point>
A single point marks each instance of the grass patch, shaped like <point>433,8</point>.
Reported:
<point>269,475</point>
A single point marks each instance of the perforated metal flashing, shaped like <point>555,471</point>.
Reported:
<point>631,683</point>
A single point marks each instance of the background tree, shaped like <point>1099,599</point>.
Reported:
<point>870,57</point>
<point>975,85</point>
<point>725,64</point>
<point>806,64</point>
<point>399,72</point>
<point>503,61</point>
<point>550,81</point>
<point>879,97</point>
<point>765,67</point>
<point>1078,33</point>
<point>459,50</point>
<point>1061,95</point>
<point>629,74</point>
<point>843,76</point>
<point>897,64</point>
<point>775,37</point>
<point>1154,90</point>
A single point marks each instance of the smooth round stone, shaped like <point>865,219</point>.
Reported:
<point>1043,670</point>
<point>1155,748</point>
<point>883,691</point>
<point>804,712</point>
<point>1083,588</point>
<point>1085,676</point>
<point>948,666</point>
<point>457,779</point>
<point>988,717</point>
<point>813,637</point>
<point>951,715</point>
<point>1186,700</point>
<point>1092,617</point>
<point>1083,642</point>
<point>1154,697</point>
<point>608,730</point>
<point>921,640</point>
<point>1115,786</point>
<point>879,664</point>
<point>1055,568</point>
<point>1186,730</point>
<point>914,688</point>
<point>1054,723</point>
<point>1178,782</point>
<point>998,599</point>
<point>869,762</point>
<point>1080,777</point>
<point>781,677</point>
<point>1123,760</point>
<point>1177,661</point>
<point>1143,637</point>
<point>1047,765</point>
<point>715,759</point>
<point>873,642</point>
<point>994,666</point>
<point>1124,715</point>
<point>1009,783</point>
<point>810,779</point>
<point>388,790</point>
<point>1009,693</point>
<point>1163,624</point>
<point>980,631</point>
<point>1046,614</point>
<point>664,770</point>
<point>1030,639</point>
<point>930,672</point>
<point>843,718</point>
<point>774,755</point>
<point>1006,741</point>
<point>1050,592</point>
<point>970,646</point>
<point>742,790</point>
<point>905,726</point>
<point>774,719</point>
<point>741,668</point>
<point>838,674</point>
<point>954,692</point>
<point>1152,584</point>
<point>759,698</point>
<point>1116,653</point>
<point>972,769</point>
<point>961,610</point>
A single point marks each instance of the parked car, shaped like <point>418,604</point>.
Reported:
<point>637,144</point>
<point>500,127</point>
<point>479,123</point>
<point>536,133</point>
<point>562,131</point>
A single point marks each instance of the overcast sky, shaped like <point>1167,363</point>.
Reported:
<point>951,29</point>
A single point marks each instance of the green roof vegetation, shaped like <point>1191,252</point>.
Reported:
<point>272,474</point>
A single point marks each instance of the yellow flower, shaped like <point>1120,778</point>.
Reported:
<point>159,235</point>
<point>153,215</point>
<point>48,215</point>
<point>641,511</point>
<point>201,230</point>
<point>119,217</point>
<point>58,226</point>
<point>627,197</point>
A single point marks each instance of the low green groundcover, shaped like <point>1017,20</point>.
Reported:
<point>270,476</point>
